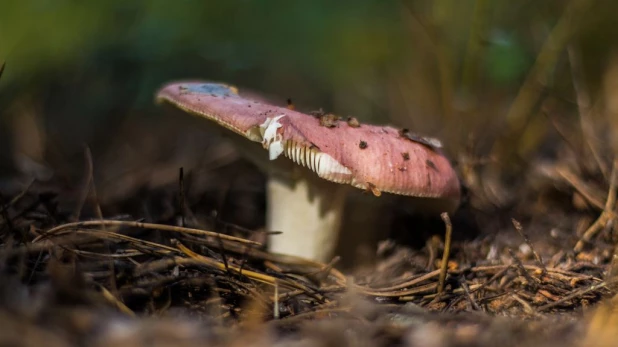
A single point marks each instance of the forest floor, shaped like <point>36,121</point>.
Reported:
<point>157,267</point>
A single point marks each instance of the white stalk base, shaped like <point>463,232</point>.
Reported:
<point>309,217</point>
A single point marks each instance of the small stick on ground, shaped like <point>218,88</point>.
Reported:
<point>572,296</point>
<point>447,251</point>
<point>496,276</point>
<point>527,308</point>
<point>321,274</point>
<point>522,270</point>
<point>141,225</point>
<point>606,216</point>
<point>468,294</point>
<point>537,257</point>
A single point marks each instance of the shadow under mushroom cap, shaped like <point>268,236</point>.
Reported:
<point>365,156</point>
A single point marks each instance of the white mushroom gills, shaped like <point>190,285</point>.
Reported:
<point>321,163</point>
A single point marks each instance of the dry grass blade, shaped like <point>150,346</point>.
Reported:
<point>263,278</point>
<point>108,235</point>
<point>585,106</point>
<point>558,273</point>
<point>588,193</point>
<point>442,55</point>
<point>114,301</point>
<point>530,92</point>
<point>290,260</point>
<point>606,216</point>
<point>447,251</point>
<point>409,283</point>
<point>412,291</point>
<point>162,227</point>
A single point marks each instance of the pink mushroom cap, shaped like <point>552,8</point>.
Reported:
<point>366,156</point>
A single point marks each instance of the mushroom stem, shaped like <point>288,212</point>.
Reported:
<point>309,217</point>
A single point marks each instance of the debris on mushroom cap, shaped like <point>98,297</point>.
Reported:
<point>424,140</point>
<point>329,120</point>
<point>372,188</point>
<point>270,138</point>
<point>392,163</point>
<point>353,122</point>
<point>318,113</point>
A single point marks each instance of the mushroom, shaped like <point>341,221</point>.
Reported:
<point>311,167</point>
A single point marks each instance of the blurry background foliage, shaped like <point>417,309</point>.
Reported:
<point>85,71</point>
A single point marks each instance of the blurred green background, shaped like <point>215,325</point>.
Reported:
<point>85,72</point>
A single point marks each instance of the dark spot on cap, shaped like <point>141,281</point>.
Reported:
<point>405,155</point>
<point>431,164</point>
<point>362,145</point>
